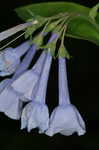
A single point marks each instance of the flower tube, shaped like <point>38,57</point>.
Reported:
<point>65,118</point>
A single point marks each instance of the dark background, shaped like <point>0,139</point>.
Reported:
<point>83,75</point>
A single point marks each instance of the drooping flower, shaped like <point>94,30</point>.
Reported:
<point>26,83</point>
<point>10,58</point>
<point>65,118</point>
<point>9,98</point>
<point>35,114</point>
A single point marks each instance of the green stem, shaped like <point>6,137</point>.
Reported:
<point>57,16</point>
<point>63,35</point>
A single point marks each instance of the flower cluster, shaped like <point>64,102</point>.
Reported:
<point>29,86</point>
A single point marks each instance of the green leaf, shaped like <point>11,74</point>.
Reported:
<point>94,11</point>
<point>82,28</point>
<point>49,9</point>
<point>24,13</point>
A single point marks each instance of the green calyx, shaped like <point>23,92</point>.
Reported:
<point>38,40</point>
<point>36,25</point>
<point>62,52</point>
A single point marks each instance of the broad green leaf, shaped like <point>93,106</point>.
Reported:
<point>82,28</point>
<point>49,9</point>
<point>94,11</point>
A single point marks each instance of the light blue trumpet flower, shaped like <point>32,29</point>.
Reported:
<point>10,102</point>
<point>10,58</point>
<point>36,114</point>
<point>26,83</point>
<point>65,118</point>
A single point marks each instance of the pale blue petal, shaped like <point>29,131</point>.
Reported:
<point>26,83</point>
<point>39,117</point>
<point>41,91</point>
<point>80,120</point>
<point>22,49</point>
<point>10,58</point>
<point>3,84</point>
<point>15,109</point>
<point>37,68</point>
<point>53,37</point>
<point>8,62</point>
<point>26,61</point>
<point>9,100</point>
<point>25,115</point>
<point>63,83</point>
<point>64,120</point>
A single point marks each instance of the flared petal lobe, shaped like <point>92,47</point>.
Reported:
<point>66,120</point>
<point>35,115</point>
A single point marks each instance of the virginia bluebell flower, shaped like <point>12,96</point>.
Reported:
<point>35,114</point>
<point>26,83</point>
<point>65,118</point>
<point>10,58</point>
<point>9,98</point>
